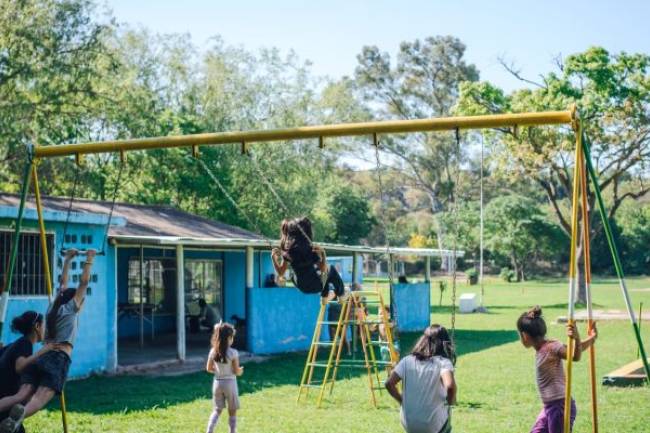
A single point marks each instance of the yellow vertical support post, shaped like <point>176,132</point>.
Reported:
<point>590,313</point>
<point>308,372</point>
<point>46,266</point>
<point>572,281</point>
<point>343,322</point>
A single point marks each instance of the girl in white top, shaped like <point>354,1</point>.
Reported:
<point>223,362</point>
<point>428,383</point>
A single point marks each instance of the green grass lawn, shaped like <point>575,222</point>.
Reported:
<point>495,376</point>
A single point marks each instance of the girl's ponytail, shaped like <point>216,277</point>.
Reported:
<point>532,323</point>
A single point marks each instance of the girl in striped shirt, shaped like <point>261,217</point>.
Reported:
<point>548,366</point>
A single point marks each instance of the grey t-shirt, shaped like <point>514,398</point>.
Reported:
<point>424,399</point>
<point>66,323</point>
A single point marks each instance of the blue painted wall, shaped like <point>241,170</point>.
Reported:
<point>234,274</point>
<point>281,319</point>
<point>412,305</point>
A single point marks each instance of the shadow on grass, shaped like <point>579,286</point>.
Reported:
<point>106,395</point>
<point>467,341</point>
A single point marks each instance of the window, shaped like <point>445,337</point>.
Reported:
<point>203,281</point>
<point>28,278</point>
<point>158,281</point>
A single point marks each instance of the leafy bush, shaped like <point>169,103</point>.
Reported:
<point>507,275</point>
<point>472,276</point>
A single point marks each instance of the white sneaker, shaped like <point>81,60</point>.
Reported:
<point>14,420</point>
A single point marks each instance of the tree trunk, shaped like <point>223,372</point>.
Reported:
<point>515,268</point>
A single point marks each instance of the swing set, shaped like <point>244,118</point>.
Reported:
<point>584,173</point>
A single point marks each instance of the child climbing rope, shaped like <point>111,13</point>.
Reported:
<point>48,374</point>
<point>550,373</point>
<point>308,262</point>
<point>223,362</point>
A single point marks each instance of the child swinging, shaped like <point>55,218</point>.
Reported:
<point>311,274</point>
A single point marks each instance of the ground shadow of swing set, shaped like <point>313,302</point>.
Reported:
<point>584,173</point>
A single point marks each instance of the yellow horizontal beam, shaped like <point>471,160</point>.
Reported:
<point>304,132</point>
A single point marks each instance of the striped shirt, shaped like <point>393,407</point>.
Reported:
<point>549,371</point>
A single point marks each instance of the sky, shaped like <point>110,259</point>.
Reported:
<point>331,33</point>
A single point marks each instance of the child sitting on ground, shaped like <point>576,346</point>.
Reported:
<point>311,274</point>
<point>48,374</point>
<point>550,373</point>
<point>223,362</point>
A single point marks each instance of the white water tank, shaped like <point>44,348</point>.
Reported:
<point>467,303</point>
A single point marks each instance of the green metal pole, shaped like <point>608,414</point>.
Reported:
<point>615,254</point>
<point>6,289</point>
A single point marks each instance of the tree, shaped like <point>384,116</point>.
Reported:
<point>634,223</point>
<point>516,228</point>
<point>423,82</point>
<point>613,96</point>
<point>53,57</point>
<point>344,214</point>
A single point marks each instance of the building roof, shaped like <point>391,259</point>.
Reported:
<point>165,225</point>
<point>141,220</point>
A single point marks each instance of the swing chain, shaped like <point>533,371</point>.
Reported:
<point>72,197</point>
<point>232,201</point>
<point>384,226</point>
<point>110,215</point>
<point>274,192</point>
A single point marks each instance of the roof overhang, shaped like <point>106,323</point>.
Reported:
<point>264,244</point>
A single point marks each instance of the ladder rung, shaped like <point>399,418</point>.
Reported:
<point>365,293</point>
<point>318,364</point>
<point>354,322</point>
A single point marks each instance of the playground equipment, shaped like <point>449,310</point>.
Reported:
<point>583,170</point>
<point>355,316</point>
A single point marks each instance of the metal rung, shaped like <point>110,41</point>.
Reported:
<point>312,385</point>
<point>365,293</point>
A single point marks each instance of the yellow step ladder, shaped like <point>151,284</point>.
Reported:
<point>354,314</point>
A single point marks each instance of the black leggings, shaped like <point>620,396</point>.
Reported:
<point>334,279</point>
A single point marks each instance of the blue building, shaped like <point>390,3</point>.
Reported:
<point>143,300</point>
